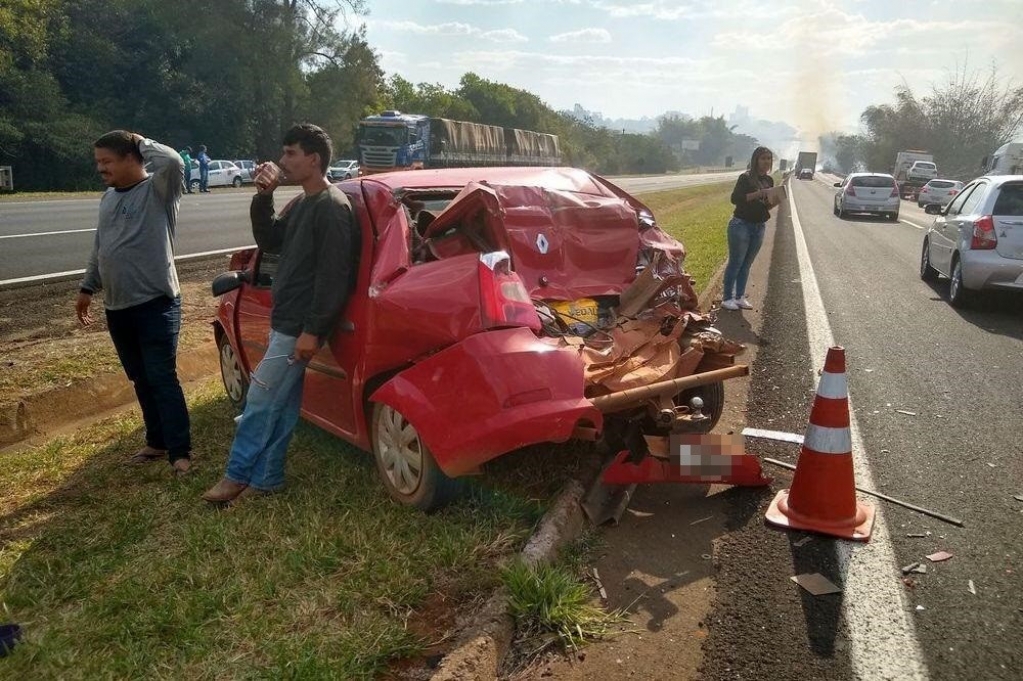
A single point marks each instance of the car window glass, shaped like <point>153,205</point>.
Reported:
<point>955,206</point>
<point>1010,200</point>
<point>973,200</point>
<point>940,184</point>
<point>873,181</point>
<point>266,269</point>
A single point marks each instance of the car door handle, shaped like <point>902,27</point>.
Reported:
<point>1011,222</point>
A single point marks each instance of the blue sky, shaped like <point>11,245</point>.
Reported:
<point>813,64</point>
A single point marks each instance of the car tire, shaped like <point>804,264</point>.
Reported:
<point>194,185</point>
<point>958,295</point>
<point>894,217</point>
<point>927,272</point>
<point>236,383</point>
<point>348,176</point>
<point>841,214</point>
<point>426,488</point>
<point>835,209</point>
<point>713,396</point>
<point>919,205</point>
<point>237,182</point>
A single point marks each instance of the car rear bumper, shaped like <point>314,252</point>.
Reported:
<point>854,206</point>
<point>989,270</point>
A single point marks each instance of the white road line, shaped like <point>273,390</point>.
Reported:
<point>40,278</point>
<point>884,643</point>
<point>63,231</point>
<point>911,223</point>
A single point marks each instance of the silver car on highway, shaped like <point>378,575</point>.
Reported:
<point>940,192</point>
<point>875,193</point>
<point>977,240</point>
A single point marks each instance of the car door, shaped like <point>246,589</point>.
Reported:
<point>254,305</point>
<point>944,232</point>
<point>963,230</point>
<point>331,396</point>
<point>216,174</point>
<point>1007,214</point>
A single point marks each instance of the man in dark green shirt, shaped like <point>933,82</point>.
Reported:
<point>318,243</point>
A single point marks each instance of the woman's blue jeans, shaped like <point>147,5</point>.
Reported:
<point>272,408</point>
<point>744,242</point>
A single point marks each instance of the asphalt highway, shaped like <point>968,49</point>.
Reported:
<point>937,404</point>
<point>41,239</point>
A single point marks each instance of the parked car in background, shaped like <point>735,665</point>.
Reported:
<point>248,169</point>
<point>483,303</point>
<point>222,174</point>
<point>938,192</point>
<point>344,169</point>
<point>875,193</point>
<point>977,240</point>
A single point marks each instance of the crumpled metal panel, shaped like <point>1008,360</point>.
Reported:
<point>492,393</point>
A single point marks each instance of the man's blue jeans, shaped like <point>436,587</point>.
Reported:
<point>744,241</point>
<point>272,408</point>
<point>146,339</point>
<point>204,179</point>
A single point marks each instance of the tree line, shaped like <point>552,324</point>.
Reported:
<point>960,121</point>
<point>235,74</point>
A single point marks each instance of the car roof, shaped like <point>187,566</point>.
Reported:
<point>1000,179</point>
<point>870,175</point>
<point>563,178</point>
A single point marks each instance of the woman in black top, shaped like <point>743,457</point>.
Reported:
<point>746,228</point>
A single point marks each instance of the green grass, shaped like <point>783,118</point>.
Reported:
<point>553,606</point>
<point>698,217</point>
<point>123,572</point>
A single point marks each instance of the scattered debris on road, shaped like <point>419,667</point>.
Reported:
<point>914,568</point>
<point>971,588</point>
<point>907,413</point>
<point>939,556</point>
<point>817,584</point>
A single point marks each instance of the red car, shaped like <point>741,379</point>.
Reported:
<point>495,308</point>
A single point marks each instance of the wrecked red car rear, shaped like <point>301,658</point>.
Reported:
<point>496,308</point>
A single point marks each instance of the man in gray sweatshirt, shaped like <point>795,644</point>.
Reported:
<point>132,262</point>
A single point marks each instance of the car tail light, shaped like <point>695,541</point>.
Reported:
<point>895,192</point>
<point>849,191</point>
<point>984,237</point>
<point>953,192</point>
<point>503,297</point>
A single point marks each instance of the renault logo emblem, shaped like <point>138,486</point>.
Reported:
<point>541,244</point>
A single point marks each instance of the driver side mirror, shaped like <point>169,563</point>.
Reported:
<point>229,281</point>
<point>932,209</point>
<point>838,184</point>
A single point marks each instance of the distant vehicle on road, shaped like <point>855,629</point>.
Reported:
<point>874,193</point>
<point>248,169</point>
<point>913,169</point>
<point>807,160</point>
<point>344,169</point>
<point>1007,160</point>
<point>222,174</point>
<point>805,174</point>
<point>938,192</point>
<point>977,241</point>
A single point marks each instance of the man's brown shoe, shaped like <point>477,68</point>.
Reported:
<point>182,466</point>
<point>224,491</point>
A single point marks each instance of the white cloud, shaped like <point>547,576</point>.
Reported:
<point>585,35</point>
<point>484,3</point>
<point>454,28</point>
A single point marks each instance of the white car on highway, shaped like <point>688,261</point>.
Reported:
<point>874,193</point>
<point>222,174</point>
<point>939,192</point>
<point>977,241</point>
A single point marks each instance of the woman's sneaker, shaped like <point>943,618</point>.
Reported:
<point>744,304</point>
<point>730,304</point>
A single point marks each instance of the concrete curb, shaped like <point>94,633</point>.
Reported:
<point>36,415</point>
<point>485,642</point>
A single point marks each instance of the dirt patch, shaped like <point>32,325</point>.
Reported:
<point>53,370</point>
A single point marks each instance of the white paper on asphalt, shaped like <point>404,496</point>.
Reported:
<point>884,643</point>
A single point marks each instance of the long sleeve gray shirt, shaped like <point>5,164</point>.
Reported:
<point>132,257</point>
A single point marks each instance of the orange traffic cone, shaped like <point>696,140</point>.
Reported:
<point>823,494</point>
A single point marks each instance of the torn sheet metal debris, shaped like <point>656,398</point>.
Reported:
<point>817,584</point>
<point>773,435</point>
<point>914,568</point>
<point>907,413</point>
<point>971,588</point>
<point>939,556</point>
